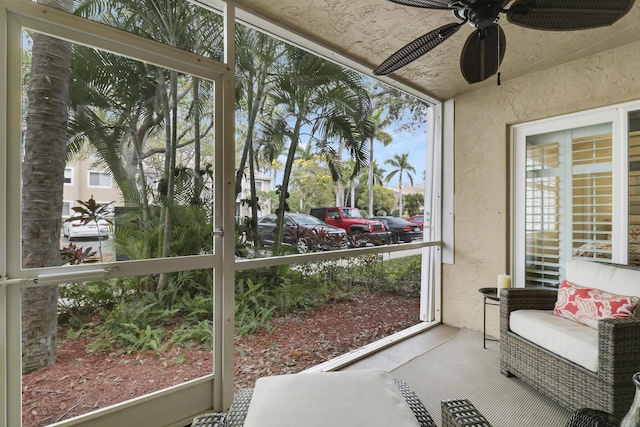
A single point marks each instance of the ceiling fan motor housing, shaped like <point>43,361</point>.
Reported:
<point>482,15</point>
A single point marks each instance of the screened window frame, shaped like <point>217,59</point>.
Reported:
<point>15,14</point>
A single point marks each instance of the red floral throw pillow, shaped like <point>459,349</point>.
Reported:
<point>587,306</point>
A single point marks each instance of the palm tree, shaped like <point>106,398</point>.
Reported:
<point>349,179</point>
<point>376,133</point>
<point>402,166</point>
<point>256,56</point>
<point>323,96</point>
<point>305,152</point>
<point>43,174</point>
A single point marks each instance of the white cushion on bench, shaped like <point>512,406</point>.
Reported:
<point>566,338</point>
<point>338,399</point>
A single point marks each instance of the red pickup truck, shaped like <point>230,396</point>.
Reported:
<point>351,220</point>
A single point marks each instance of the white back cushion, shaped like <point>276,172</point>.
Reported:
<point>615,280</point>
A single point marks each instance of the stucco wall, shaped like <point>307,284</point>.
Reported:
<point>482,120</point>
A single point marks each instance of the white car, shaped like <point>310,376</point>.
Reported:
<point>76,228</point>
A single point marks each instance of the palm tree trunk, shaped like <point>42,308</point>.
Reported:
<point>340,196</point>
<point>42,185</point>
<point>371,213</point>
<point>171,112</point>
<point>400,190</point>
<point>197,182</point>
<point>282,202</point>
<point>353,194</point>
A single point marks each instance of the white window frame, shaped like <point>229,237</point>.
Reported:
<point>72,175</point>
<point>617,115</point>
<point>102,176</point>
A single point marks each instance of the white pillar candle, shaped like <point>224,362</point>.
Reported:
<point>504,281</point>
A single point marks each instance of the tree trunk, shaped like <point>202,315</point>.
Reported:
<point>42,185</point>
<point>400,190</point>
<point>371,213</point>
<point>277,242</point>
<point>171,123</point>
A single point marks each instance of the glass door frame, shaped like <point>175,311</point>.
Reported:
<point>617,115</point>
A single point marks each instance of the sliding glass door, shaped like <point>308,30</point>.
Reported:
<point>575,185</point>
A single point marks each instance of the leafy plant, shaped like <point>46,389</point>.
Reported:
<point>133,339</point>
<point>91,211</point>
<point>78,302</point>
<point>254,305</point>
<point>73,255</point>
<point>187,335</point>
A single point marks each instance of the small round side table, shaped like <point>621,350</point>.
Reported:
<point>489,294</point>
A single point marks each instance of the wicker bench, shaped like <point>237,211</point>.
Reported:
<point>240,407</point>
<point>462,413</point>
<point>611,388</point>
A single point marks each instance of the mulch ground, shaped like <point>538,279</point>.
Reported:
<point>81,382</point>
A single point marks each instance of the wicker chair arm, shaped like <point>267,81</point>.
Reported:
<point>619,349</point>
<point>528,298</point>
<point>512,299</point>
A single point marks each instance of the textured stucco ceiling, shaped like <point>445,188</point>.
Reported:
<point>368,31</point>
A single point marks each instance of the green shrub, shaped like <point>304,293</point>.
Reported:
<point>124,314</point>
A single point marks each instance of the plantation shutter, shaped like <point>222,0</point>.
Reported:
<point>634,189</point>
<point>569,192</point>
<point>542,213</point>
<point>592,195</point>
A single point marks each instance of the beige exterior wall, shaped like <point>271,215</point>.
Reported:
<point>482,120</point>
<point>79,188</point>
<point>407,188</point>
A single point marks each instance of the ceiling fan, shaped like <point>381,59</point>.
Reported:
<point>484,49</point>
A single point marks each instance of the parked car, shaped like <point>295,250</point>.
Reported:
<point>306,232</point>
<point>361,230</point>
<point>78,228</point>
<point>417,219</point>
<point>402,230</point>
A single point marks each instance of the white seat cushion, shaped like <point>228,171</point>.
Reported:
<point>566,338</point>
<point>338,399</point>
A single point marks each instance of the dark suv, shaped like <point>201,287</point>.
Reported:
<point>351,220</point>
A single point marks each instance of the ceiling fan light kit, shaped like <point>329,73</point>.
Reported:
<point>484,48</point>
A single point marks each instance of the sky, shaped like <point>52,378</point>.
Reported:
<point>404,142</point>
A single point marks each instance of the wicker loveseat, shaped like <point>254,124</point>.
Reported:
<point>608,386</point>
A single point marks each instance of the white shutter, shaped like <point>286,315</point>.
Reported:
<point>634,197</point>
<point>592,195</point>
<point>542,213</point>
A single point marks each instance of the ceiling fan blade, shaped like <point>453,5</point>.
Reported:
<point>566,15</point>
<point>483,53</point>
<point>416,49</point>
<point>427,4</point>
